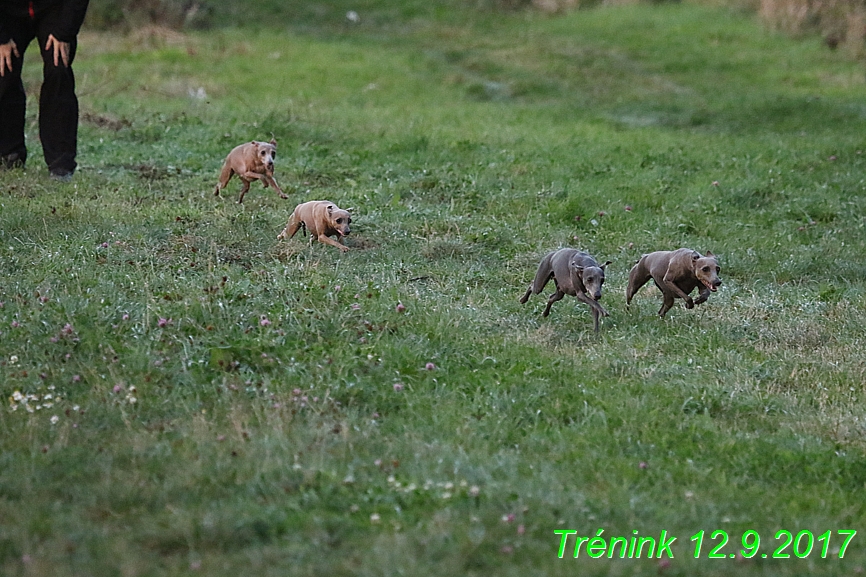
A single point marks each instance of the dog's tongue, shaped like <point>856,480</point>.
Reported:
<point>709,286</point>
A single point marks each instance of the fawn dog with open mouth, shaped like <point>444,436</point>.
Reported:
<point>324,219</point>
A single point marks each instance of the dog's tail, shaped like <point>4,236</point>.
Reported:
<point>225,175</point>
<point>542,276</point>
<point>638,276</point>
<point>292,227</point>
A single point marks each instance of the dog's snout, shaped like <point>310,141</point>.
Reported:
<point>717,282</point>
<point>597,296</point>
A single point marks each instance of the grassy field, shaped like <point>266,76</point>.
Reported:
<point>184,394</point>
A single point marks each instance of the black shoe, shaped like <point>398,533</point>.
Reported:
<point>10,161</point>
<point>61,176</point>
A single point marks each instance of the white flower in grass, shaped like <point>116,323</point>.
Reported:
<point>54,419</point>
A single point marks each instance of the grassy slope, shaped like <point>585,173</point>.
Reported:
<point>467,144</point>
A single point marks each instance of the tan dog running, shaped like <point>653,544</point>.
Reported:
<point>323,218</point>
<point>250,161</point>
<point>574,273</point>
<point>677,273</point>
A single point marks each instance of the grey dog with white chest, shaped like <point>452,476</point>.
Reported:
<point>574,273</point>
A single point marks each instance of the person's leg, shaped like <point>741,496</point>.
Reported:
<point>13,151</point>
<point>58,105</point>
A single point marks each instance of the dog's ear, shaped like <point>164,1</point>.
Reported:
<point>695,255</point>
<point>274,141</point>
<point>577,268</point>
<point>330,209</point>
<point>711,254</point>
<point>605,264</point>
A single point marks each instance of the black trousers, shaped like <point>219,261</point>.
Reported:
<point>58,105</point>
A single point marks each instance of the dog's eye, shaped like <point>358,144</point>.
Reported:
<point>718,270</point>
<point>706,269</point>
<point>339,221</point>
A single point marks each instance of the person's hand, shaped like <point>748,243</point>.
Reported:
<point>61,50</point>
<point>6,52</point>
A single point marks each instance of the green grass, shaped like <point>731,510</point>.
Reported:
<point>225,401</point>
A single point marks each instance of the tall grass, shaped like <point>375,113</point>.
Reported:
<point>842,23</point>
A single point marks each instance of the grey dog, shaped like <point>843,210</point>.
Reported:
<point>574,273</point>
<point>677,273</point>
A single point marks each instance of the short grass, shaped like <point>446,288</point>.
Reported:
<point>230,404</point>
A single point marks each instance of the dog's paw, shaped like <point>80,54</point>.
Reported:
<point>690,304</point>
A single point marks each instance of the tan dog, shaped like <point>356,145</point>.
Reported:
<point>677,273</point>
<point>250,161</point>
<point>323,218</point>
<point>574,273</point>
